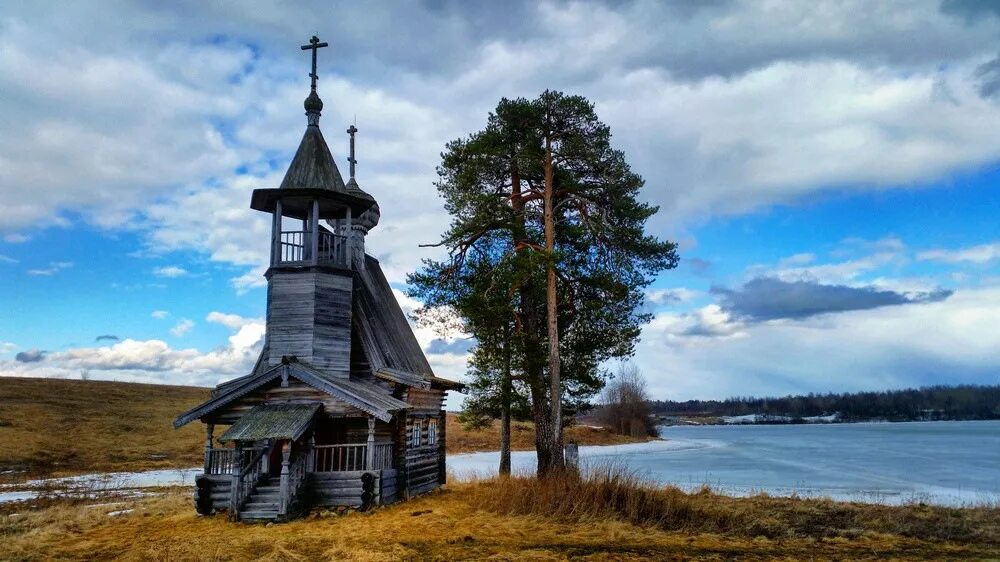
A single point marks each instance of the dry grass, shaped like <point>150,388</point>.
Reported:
<point>613,492</point>
<point>448,525</point>
<point>65,426</point>
<point>50,426</point>
<point>522,437</point>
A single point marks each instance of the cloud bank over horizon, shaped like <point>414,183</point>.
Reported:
<point>791,147</point>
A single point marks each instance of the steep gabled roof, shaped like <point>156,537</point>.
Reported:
<point>386,337</point>
<point>385,334</point>
<point>365,396</point>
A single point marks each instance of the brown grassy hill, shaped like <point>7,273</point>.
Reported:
<point>50,426</point>
<point>68,426</point>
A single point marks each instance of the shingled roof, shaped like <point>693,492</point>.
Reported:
<point>272,421</point>
<point>313,166</point>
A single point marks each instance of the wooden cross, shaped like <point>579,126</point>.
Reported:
<point>352,160</point>
<point>313,45</point>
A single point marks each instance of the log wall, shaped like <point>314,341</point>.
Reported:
<point>335,489</point>
<point>424,463</point>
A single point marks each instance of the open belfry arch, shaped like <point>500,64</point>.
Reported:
<point>342,407</point>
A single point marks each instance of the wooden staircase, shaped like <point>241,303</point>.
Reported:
<point>263,503</point>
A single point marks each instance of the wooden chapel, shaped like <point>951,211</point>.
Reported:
<point>342,407</point>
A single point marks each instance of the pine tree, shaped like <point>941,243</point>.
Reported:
<point>547,209</point>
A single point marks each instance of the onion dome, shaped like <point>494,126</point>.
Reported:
<point>369,218</point>
<point>313,103</point>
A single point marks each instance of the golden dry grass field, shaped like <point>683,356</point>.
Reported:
<point>50,426</point>
<point>453,524</point>
<point>610,515</point>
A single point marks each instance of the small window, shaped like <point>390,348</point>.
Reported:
<point>432,436</point>
<point>416,438</point>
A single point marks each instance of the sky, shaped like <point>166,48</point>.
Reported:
<point>829,170</point>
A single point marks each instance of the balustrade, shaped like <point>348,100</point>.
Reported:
<point>350,456</point>
<point>295,246</point>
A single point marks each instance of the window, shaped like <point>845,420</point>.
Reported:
<point>415,437</point>
<point>432,436</point>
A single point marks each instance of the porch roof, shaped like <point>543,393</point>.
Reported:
<point>363,395</point>
<point>272,421</point>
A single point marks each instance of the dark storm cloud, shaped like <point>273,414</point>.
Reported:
<point>771,299</point>
<point>107,337</point>
<point>30,356</point>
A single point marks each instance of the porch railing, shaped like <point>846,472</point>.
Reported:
<point>292,484</point>
<point>350,456</point>
<point>245,482</point>
<point>383,456</point>
<point>220,461</point>
<point>223,461</point>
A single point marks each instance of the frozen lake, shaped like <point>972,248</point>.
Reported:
<point>950,463</point>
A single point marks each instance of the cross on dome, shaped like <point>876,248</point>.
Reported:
<point>314,45</point>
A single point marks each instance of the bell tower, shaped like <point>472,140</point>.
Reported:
<point>310,278</point>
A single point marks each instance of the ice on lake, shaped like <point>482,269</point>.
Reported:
<point>947,463</point>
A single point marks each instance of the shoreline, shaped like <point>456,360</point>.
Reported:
<point>471,467</point>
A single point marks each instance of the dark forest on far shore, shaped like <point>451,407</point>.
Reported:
<point>964,402</point>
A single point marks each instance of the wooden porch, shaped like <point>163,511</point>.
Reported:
<point>244,482</point>
<point>275,469</point>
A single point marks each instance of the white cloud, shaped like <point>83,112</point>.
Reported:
<point>231,321</point>
<point>16,238</point>
<point>7,259</point>
<point>677,295</point>
<point>723,108</point>
<point>149,361</point>
<point>160,314</point>
<point>690,328</point>
<point>183,327</point>
<point>252,279</point>
<point>7,347</point>
<point>797,259</point>
<point>950,341</point>
<point>170,271</point>
<point>983,253</point>
<point>52,269</point>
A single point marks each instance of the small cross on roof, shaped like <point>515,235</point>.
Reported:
<point>314,45</point>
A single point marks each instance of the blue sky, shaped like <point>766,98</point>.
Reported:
<point>830,173</point>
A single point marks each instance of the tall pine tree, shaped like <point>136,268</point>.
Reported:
<point>545,208</point>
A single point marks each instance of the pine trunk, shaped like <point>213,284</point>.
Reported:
<point>555,393</point>
<point>505,398</point>
<point>533,371</point>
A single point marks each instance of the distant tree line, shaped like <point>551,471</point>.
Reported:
<point>964,402</point>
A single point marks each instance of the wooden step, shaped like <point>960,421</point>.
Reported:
<point>261,506</point>
<point>258,515</point>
